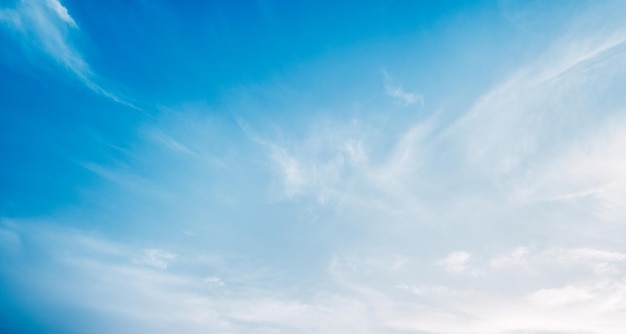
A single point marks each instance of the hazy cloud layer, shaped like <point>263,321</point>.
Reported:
<point>391,217</point>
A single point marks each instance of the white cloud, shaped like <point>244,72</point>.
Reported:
<point>62,12</point>
<point>341,165</point>
<point>514,131</point>
<point>386,283</point>
<point>586,255</point>
<point>455,262</point>
<point>46,25</point>
<point>213,280</point>
<point>600,261</point>
<point>516,259</point>
<point>156,258</point>
<point>560,296</point>
<point>398,93</point>
<point>124,291</point>
<point>406,98</point>
<point>294,178</point>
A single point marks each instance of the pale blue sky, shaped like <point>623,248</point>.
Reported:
<point>263,167</point>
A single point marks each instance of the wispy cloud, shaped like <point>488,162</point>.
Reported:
<point>375,294</point>
<point>46,26</point>
<point>500,223</point>
<point>397,92</point>
<point>455,262</point>
<point>156,258</point>
<point>61,11</point>
<point>550,132</point>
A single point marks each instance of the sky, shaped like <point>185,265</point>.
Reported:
<point>395,166</point>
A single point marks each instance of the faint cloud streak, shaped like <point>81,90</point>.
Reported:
<point>46,25</point>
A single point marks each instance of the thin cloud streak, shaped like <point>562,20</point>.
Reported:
<point>397,92</point>
<point>46,25</point>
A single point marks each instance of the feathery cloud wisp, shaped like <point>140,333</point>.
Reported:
<point>46,26</point>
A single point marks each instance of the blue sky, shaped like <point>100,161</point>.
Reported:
<point>323,167</point>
